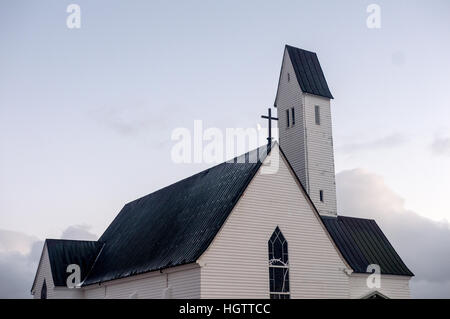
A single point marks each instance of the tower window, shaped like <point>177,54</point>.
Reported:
<point>321,195</point>
<point>288,77</point>
<point>278,266</point>
<point>317,113</point>
<point>287,118</point>
<point>293,116</point>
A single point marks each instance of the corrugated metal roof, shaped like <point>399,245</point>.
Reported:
<point>174,225</point>
<point>309,74</point>
<point>362,243</point>
<point>63,252</point>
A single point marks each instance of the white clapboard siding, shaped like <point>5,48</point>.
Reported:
<point>236,263</point>
<point>43,272</point>
<point>391,286</point>
<point>308,146</point>
<point>320,157</point>
<point>183,281</point>
<point>292,139</point>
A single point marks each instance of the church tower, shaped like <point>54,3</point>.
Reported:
<point>305,130</point>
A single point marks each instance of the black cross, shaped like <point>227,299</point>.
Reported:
<point>269,118</point>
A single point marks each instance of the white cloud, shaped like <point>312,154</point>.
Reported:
<point>423,244</point>
<point>78,232</point>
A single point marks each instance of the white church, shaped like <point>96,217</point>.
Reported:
<point>237,230</point>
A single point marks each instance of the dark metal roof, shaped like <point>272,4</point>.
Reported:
<point>174,225</point>
<point>62,253</point>
<point>361,242</point>
<point>309,74</point>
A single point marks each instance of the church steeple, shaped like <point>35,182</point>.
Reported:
<point>305,129</point>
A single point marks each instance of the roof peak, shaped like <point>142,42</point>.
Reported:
<point>296,48</point>
<point>308,72</point>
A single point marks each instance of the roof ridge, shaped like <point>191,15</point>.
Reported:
<point>75,240</point>
<point>296,48</point>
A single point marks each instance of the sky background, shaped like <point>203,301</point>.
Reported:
<point>86,115</point>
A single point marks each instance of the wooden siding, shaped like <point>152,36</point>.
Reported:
<point>43,272</point>
<point>292,138</point>
<point>236,263</point>
<point>391,286</point>
<point>320,156</point>
<point>184,282</point>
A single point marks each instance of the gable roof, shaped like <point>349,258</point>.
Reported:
<point>63,252</point>
<point>362,243</point>
<point>308,72</point>
<point>176,224</point>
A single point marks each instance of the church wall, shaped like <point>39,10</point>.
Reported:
<point>184,282</point>
<point>236,263</point>
<point>67,293</point>
<point>292,138</point>
<point>390,286</point>
<point>320,157</point>
<point>44,272</point>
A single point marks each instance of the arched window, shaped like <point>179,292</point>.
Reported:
<point>278,266</point>
<point>44,291</point>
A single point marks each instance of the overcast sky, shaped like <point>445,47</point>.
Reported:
<point>86,114</point>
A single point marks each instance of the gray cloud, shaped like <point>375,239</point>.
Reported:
<point>389,141</point>
<point>423,244</point>
<point>441,146</point>
<point>19,258</point>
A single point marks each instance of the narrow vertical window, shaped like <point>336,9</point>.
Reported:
<point>287,118</point>
<point>293,116</point>
<point>278,266</point>
<point>317,113</point>
<point>321,195</point>
<point>44,291</point>
<point>288,77</point>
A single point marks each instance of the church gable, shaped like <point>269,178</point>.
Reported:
<point>43,281</point>
<point>236,265</point>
